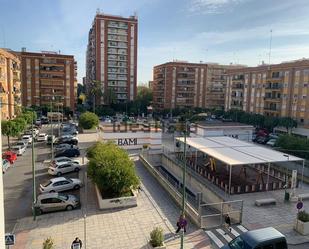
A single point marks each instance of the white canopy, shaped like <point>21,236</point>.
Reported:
<point>236,152</point>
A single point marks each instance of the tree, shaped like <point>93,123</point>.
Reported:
<point>88,120</point>
<point>10,128</point>
<point>95,91</point>
<point>288,123</point>
<point>111,169</point>
<point>110,96</point>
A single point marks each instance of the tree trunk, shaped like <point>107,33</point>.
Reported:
<point>9,142</point>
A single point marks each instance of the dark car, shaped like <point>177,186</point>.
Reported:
<point>262,140</point>
<point>67,140</point>
<point>72,152</point>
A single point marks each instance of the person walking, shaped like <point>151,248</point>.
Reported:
<point>181,224</point>
<point>228,223</point>
<point>77,244</point>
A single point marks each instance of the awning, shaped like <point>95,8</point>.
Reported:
<point>236,152</point>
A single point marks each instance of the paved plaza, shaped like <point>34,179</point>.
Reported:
<point>125,228</point>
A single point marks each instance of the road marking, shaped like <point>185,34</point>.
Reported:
<point>241,228</point>
<point>233,231</point>
<point>215,239</point>
<point>226,236</point>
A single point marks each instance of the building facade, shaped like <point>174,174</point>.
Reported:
<point>10,86</point>
<point>280,90</point>
<point>48,77</point>
<point>185,85</point>
<point>111,57</point>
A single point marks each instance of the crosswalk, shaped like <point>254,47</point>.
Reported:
<point>221,236</point>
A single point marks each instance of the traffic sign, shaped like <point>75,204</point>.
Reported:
<point>9,239</point>
<point>299,205</point>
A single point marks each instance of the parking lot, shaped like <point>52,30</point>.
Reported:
<point>18,184</point>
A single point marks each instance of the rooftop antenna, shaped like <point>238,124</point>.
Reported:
<point>269,55</point>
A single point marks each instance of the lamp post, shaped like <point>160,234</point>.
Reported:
<point>286,194</point>
<point>33,174</point>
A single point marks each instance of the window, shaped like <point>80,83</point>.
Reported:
<point>268,247</point>
<point>56,200</point>
<point>47,201</point>
<point>239,243</point>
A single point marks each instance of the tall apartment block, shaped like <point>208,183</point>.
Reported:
<point>48,77</point>
<point>280,90</point>
<point>10,94</point>
<point>111,56</point>
<point>182,84</point>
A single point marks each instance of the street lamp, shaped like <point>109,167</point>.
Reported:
<point>286,194</point>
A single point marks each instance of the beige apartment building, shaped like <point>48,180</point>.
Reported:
<point>182,84</point>
<point>48,77</point>
<point>10,94</point>
<point>279,90</point>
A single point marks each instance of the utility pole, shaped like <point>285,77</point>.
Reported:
<point>2,223</point>
<point>52,130</point>
<point>184,182</point>
<point>33,174</point>
<point>58,121</point>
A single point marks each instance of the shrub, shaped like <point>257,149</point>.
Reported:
<point>88,120</point>
<point>156,237</point>
<point>111,169</point>
<point>48,243</point>
<point>303,216</point>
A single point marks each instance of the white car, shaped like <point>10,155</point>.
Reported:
<point>59,184</point>
<point>27,138</point>
<point>62,168</point>
<point>19,150</point>
<point>42,137</point>
<point>271,142</point>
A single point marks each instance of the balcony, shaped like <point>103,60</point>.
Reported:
<point>271,109</point>
<point>238,86</point>
<point>274,86</point>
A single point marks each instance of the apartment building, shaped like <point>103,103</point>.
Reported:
<point>10,94</point>
<point>181,84</point>
<point>111,57</point>
<point>279,90</point>
<point>48,77</point>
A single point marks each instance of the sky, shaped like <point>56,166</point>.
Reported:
<point>221,31</point>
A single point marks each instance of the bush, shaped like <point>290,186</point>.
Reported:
<point>156,237</point>
<point>88,120</point>
<point>303,216</point>
<point>48,243</point>
<point>111,169</point>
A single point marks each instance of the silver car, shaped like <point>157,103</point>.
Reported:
<point>62,159</point>
<point>62,168</point>
<point>59,184</point>
<point>54,202</point>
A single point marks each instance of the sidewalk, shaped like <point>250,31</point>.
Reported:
<point>117,229</point>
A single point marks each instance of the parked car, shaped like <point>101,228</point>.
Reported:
<point>50,139</point>
<point>62,159</point>
<point>44,120</point>
<point>10,156</point>
<point>62,168</point>
<point>55,202</point>
<point>68,139</point>
<point>5,165</point>
<point>27,138</point>
<point>59,184</point>
<point>271,142</point>
<point>42,137</point>
<point>267,237</point>
<point>262,140</point>
<point>61,147</point>
<point>72,152</point>
<point>19,147</point>
<point>38,122</point>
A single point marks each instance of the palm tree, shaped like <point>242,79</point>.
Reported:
<point>95,91</point>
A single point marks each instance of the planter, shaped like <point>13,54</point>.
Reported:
<point>301,227</point>
<point>89,131</point>
<point>120,202</point>
<point>159,247</point>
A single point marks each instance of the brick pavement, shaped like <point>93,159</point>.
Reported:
<point>115,229</point>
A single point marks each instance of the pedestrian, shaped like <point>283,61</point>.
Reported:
<point>181,223</point>
<point>228,223</point>
<point>77,242</point>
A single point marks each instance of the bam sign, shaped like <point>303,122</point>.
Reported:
<point>127,141</point>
